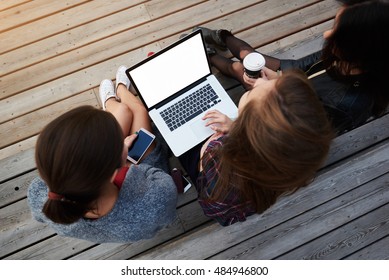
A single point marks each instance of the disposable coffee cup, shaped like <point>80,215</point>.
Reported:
<point>253,63</point>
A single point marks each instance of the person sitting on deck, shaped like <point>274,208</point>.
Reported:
<point>86,189</point>
<point>275,146</point>
<point>349,74</point>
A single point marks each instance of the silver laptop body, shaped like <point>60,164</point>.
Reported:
<point>177,88</point>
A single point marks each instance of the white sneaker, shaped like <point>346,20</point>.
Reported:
<point>121,77</point>
<point>106,91</point>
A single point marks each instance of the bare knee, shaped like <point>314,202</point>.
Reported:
<point>139,109</point>
<point>124,116</point>
<point>123,111</point>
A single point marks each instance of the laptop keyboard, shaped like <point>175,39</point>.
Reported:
<point>189,107</point>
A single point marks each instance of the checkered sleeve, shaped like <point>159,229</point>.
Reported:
<point>226,212</point>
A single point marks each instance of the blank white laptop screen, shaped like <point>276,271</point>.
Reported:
<point>171,71</point>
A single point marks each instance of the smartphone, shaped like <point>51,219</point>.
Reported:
<point>187,184</point>
<point>141,144</point>
<point>182,183</point>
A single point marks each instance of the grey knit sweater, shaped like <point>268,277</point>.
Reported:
<point>146,203</point>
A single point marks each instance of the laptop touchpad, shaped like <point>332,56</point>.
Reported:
<point>200,130</point>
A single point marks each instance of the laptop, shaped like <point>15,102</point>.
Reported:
<point>177,88</point>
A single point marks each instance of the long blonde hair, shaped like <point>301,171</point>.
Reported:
<point>276,145</point>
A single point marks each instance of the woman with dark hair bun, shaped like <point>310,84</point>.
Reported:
<point>86,188</point>
<point>349,74</point>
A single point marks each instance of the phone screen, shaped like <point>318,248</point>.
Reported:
<point>139,147</point>
<point>187,184</point>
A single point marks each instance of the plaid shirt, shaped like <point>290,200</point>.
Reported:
<point>226,212</point>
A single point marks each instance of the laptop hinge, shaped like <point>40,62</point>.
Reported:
<point>167,100</point>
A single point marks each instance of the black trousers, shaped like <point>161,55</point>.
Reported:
<point>190,162</point>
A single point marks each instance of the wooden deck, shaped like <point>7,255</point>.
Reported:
<point>55,53</point>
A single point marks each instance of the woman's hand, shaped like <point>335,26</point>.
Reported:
<point>266,74</point>
<point>249,81</point>
<point>129,140</point>
<point>269,74</point>
<point>217,121</point>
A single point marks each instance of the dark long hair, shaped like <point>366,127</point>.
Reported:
<point>276,145</point>
<point>360,41</point>
<point>76,154</point>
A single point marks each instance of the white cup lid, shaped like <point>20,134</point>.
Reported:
<point>254,61</point>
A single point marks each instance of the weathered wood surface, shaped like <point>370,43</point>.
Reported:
<point>301,215</point>
<point>54,56</point>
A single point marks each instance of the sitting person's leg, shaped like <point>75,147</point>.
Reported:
<point>237,47</point>
<point>110,103</point>
<point>223,38</point>
<point>140,117</point>
<point>126,108</point>
<point>228,67</point>
<point>135,105</point>
<point>190,162</point>
<point>240,49</point>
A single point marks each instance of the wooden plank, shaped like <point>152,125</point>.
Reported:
<point>7,4</point>
<point>31,124</point>
<point>358,139</point>
<point>377,251</point>
<point>58,247</point>
<point>190,216</point>
<point>359,170</point>
<point>282,22</point>
<point>122,251</point>
<point>159,8</point>
<point>17,164</point>
<point>299,44</point>
<point>73,39</point>
<point>258,14</point>
<point>347,239</point>
<point>49,51</point>
<point>313,224</point>
<point>118,44</point>
<point>34,10</point>
<point>21,146</point>
<point>90,32</point>
<point>294,22</point>
<point>54,248</point>
<point>340,179</point>
<point>61,22</point>
<point>14,160</point>
<point>270,11</point>
<point>15,189</point>
<point>91,54</point>
<point>18,229</point>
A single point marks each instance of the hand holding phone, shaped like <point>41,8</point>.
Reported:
<point>140,145</point>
